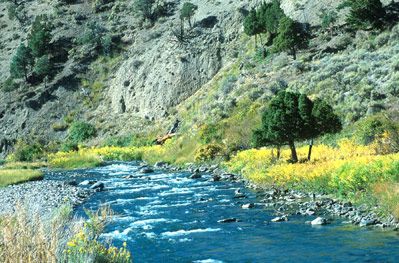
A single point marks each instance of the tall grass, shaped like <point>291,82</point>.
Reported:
<point>27,237</point>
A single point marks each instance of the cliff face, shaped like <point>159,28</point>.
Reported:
<point>154,71</point>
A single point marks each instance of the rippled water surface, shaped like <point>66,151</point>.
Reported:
<point>166,217</point>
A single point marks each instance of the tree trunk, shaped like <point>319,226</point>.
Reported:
<point>278,152</point>
<point>181,30</point>
<point>256,41</point>
<point>310,149</point>
<point>294,156</point>
<point>294,53</point>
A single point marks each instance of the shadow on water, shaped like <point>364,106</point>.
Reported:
<point>166,217</point>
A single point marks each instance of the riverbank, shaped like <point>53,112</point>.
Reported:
<point>290,202</point>
<point>40,197</point>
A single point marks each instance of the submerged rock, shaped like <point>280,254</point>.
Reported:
<point>195,176</point>
<point>229,220</point>
<point>215,178</point>
<point>239,196</point>
<point>146,170</point>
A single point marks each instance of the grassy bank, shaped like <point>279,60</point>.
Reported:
<point>15,176</point>
<point>348,171</point>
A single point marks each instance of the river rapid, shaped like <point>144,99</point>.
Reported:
<point>168,217</point>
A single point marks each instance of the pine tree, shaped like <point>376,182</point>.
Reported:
<point>291,36</point>
<point>187,12</point>
<point>251,25</point>
<point>144,7</point>
<point>42,67</point>
<point>269,16</point>
<point>294,117</point>
<point>365,13</point>
<point>40,36</point>
<point>21,63</point>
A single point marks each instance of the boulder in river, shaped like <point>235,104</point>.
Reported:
<point>215,178</point>
<point>229,220</point>
<point>146,170</point>
<point>195,176</point>
<point>239,196</point>
<point>87,182</point>
<point>99,186</point>
<point>319,221</point>
<point>280,219</point>
<point>248,206</point>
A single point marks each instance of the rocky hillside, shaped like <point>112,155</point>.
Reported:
<point>123,73</point>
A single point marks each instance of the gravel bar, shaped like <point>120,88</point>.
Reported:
<point>43,197</point>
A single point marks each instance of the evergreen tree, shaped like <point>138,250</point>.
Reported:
<point>40,36</point>
<point>269,16</point>
<point>21,63</point>
<point>365,13</point>
<point>251,25</point>
<point>144,7</point>
<point>187,12</point>
<point>291,36</point>
<point>294,117</point>
<point>42,67</point>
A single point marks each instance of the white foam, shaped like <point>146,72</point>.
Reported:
<point>188,232</point>
<point>177,191</point>
<point>117,234</point>
<point>147,223</point>
<point>182,240</point>
<point>208,261</point>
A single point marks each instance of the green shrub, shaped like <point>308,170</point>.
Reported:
<point>209,152</point>
<point>372,127</point>
<point>59,126</point>
<point>27,152</point>
<point>9,85</point>
<point>211,133</point>
<point>121,141</point>
<point>79,132</point>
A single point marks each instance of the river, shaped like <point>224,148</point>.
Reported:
<point>167,217</point>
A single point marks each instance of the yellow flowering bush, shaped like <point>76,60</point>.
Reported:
<point>85,246</point>
<point>346,168</point>
<point>92,157</point>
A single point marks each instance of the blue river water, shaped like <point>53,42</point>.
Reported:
<point>167,217</point>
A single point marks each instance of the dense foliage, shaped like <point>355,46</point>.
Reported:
<point>294,117</point>
<point>364,14</point>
